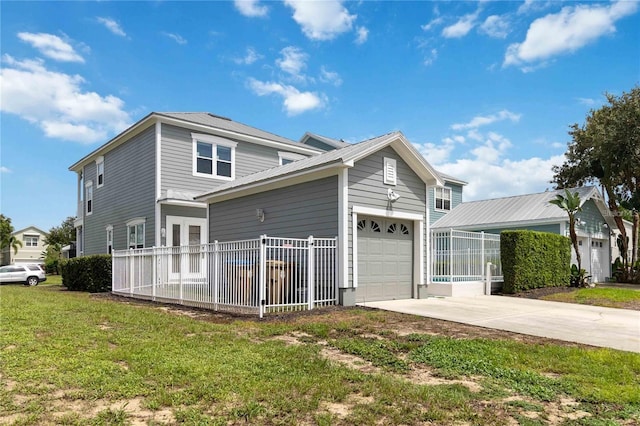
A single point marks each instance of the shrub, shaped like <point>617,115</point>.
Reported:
<point>87,273</point>
<point>534,259</point>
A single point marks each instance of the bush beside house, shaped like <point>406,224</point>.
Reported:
<point>534,259</point>
<point>88,273</point>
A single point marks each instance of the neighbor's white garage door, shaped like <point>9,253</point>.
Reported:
<point>385,259</point>
<point>599,260</point>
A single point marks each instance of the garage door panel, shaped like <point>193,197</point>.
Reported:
<point>385,259</point>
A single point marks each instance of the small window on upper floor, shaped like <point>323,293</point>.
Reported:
<point>30,240</point>
<point>289,157</point>
<point>100,172</point>
<point>443,198</point>
<point>213,156</point>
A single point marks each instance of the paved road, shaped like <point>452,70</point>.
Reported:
<point>591,325</point>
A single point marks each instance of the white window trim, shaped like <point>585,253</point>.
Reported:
<point>386,177</point>
<point>135,222</point>
<point>215,141</point>
<point>292,156</point>
<point>87,185</point>
<point>109,230</point>
<point>99,161</point>
<point>435,197</point>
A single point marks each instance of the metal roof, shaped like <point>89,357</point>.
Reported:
<point>337,157</point>
<point>520,208</point>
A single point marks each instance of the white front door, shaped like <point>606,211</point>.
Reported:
<point>186,235</point>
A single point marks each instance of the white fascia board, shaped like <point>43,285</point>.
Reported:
<point>183,203</point>
<point>520,223</point>
<point>240,136</point>
<point>274,183</point>
<point>370,211</point>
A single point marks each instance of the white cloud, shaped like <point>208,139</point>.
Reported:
<point>533,6</point>
<point>485,120</point>
<point>51,46</point>
<point>4,169</point>
<point>558,145</point>
<point>330,77</point>
<point>431,24</point>
<point>566,31</point>
<point>294,101</point>
<point>321,20</point>
<point>249,58</point>
<point>293,61</point>
<point>176,37</point>
<point>251,8</point>
<point>57,103</point>
<point>112,26</point>
<point>495,26</point>
<point>362,35</point>
<point>430,57</point>
<point>462,27</point>
<point>587,101</point>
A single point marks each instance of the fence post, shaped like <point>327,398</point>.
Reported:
<point>214,272</point>
<point>182,265</point>
<point>335,270</point>
<point>154,275</point>
<point>487,286</point>
<point>131,270</point>
<point>451,256</point>
<point>263,274</point>
<point>311,269</point>
<point>482,259</point>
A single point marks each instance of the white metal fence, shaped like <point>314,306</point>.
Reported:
<point>252,276</point>
<point>461,256</point>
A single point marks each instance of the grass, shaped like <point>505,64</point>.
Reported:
<point>608,297</point>
<point>71,358</point>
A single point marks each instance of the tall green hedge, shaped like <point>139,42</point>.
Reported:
<point>534,259</point>
<point>87,273</point>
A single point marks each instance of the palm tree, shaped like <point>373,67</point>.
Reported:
<point>571,204</point>
<point>13,242</point>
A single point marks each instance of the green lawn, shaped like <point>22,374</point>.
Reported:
<point>75,359</point>
<point>609,297</point>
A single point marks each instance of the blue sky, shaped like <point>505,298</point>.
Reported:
<point>485,90</point>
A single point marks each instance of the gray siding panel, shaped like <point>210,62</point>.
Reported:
<point>296,211</point>
<point>177,161</point>
<point>366,189</point>
<point>128,192</point>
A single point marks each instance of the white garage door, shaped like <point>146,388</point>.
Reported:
<point>599,260</point>
<point>385,259</point>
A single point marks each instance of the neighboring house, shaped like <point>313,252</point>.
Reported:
<point>371,195</point>
<point>615,250</point>
<point>534,212</point>
<point>138,189</point>
<point>32,239</point>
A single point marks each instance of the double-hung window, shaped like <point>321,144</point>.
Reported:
<point>135,233</point>
<point>213,156</point>
<point>109,239</point>
<point>89,197</point>
<point>443,198</point>
<point>30,240</point>
<point>100,172</point>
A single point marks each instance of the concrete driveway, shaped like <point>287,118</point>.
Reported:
<point>591,325</point>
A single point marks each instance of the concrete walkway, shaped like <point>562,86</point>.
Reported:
<point>591,325</point>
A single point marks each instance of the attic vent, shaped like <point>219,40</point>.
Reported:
<point>389,171</point>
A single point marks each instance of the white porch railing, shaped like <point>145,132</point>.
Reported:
<point>461,256</point>
<point>251,276</point>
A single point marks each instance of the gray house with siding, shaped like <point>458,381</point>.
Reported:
<point>138,189</point>
<point>534,212</point>
<point>371,195</point>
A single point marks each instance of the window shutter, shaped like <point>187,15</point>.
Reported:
<point>389,171</point>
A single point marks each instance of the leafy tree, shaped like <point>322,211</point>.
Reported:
<point>62,235</point>
<point>605,151</point>
<point>571,204</point>
<point>6,239</point>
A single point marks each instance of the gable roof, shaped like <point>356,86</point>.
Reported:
<point>338,158</point>
<point>529,208</point>
<point>452,179</point>
<point>20,231</point>
<point>335,143</point>
<point>199,121</point>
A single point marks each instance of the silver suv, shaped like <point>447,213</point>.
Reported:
<point>27,274</point>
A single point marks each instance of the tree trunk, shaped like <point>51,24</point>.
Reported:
<point>574,239</point>
<point>617,217</point>
<point>634,239</point>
